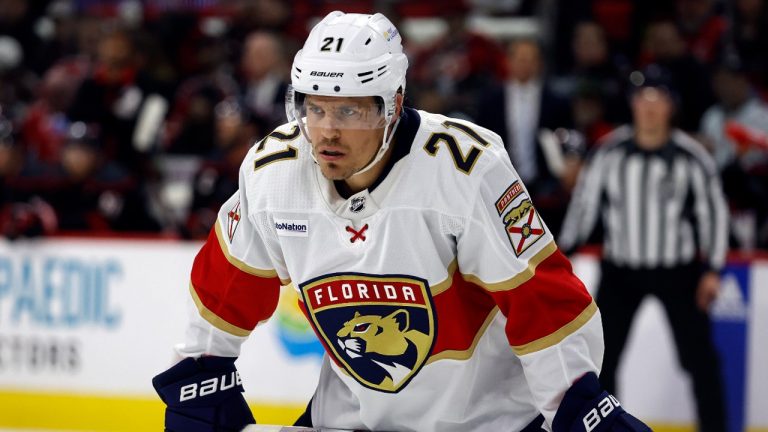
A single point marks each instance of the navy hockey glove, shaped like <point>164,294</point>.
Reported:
<point>203,395</point>
<point>586,407</point>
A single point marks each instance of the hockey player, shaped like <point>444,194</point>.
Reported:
<point>419,258</point>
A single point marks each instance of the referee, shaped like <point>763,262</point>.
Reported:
<point>655,194</point>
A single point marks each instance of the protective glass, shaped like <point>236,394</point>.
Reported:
<point>332,112</point>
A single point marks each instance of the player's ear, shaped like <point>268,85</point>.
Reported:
<point>399,98</point>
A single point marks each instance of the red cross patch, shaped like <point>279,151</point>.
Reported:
<point>357,235</point>
<point>524,226</point>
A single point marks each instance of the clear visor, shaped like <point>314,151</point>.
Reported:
<point>336,112</point>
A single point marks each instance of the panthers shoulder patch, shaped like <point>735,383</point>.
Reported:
<point>522,222</point>
<point>379,328</point>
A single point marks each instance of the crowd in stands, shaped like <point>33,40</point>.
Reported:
<point>131,116</point>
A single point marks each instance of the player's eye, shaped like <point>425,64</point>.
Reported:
<point>361,328</point>
<point>348,112</point>
<point>314,109</point>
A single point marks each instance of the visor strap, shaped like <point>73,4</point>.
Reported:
<point>386,140</point>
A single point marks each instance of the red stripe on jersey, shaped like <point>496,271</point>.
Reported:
<point>319,336</point>
<point>462,311</point>
<point>545,303</point>
<point>238,298</point>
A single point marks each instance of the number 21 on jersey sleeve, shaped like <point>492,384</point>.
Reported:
<point>289,153</point>
<point>463,162</point>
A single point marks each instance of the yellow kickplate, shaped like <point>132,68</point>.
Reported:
<point>671,428</point>
<point>87,413</point>
<point>28,410</point>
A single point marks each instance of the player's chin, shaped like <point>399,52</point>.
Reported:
<point>334,171</point>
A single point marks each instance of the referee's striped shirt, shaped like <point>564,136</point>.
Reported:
<point>660,208</point>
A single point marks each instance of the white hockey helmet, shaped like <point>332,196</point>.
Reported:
<point>350,55</point>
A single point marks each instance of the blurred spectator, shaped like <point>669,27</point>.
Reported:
<point>286,18</point>
<point>89,192</point>
<point>727,127</point>
<point>179,36</point>
<point>623,22</point>
<point>519,111</point>
<point>151,61</point>
<point>737,102</point>
<point>64,61</point>
<point>702,28</point>
<point>11,159</point>
<point>217,178</point>
<point>191,126</point>
<point>504,7</point>
<point>90,31</point>
<point>18,83</point>
<point>184,45</point>
<point>591,54</point>
<point>60,30</point>
<point>17,20</point>
<point>9,156</point>
<point>594,67</point>
<point>21,212</point>
<point>44,126</point>
<point>665,46</point>
<point>446,75</point>
<point>750,38</point>
<point>616,17</point>
<point>322,8</point>
<point>589,112</point>
<point>263,78</point>
<point>123,101</point>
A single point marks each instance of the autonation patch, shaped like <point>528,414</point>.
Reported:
<point>292,227</point>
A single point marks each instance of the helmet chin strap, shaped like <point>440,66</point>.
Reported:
<point>385,141</point>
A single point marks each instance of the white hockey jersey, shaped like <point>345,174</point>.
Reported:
<point>440,296</point>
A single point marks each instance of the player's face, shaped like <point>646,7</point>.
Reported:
<point>346,133</point>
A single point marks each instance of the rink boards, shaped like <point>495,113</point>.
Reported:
<point>86,323</point>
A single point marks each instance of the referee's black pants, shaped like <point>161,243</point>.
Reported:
<point>620,293</point>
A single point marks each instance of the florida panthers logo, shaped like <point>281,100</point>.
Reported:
<point>380,329</point>
<point>387,343</point>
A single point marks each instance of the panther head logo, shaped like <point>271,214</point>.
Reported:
<point>378,329</point>
<point>386,347</point>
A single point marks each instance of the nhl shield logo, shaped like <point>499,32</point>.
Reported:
<point>380,329</point>
<point>524,226</point>
<point>357,205</point>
